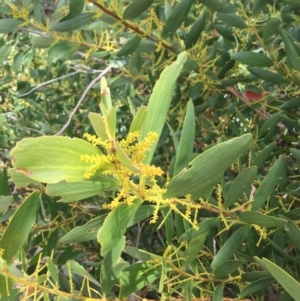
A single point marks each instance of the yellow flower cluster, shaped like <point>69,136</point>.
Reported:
<point>99,162</point>
<point>145,187</point>
<point>95,140</point>
<point>108,163</point>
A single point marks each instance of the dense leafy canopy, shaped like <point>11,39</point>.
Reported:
<point>207,91</point>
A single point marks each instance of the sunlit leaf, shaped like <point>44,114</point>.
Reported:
<point>207,169</point>
<point>115,226</point>
<point>75,191</point>
<point>138,276</point>
<point>52,159</point>
<point>158,109</point>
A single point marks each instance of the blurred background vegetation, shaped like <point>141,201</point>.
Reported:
<point>242,75</point>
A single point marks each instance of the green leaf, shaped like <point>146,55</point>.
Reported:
<point>218,293</point>
<point>62,50</point>
<point>124,159</point>
<point>239,186</point>
<point>291,104</point>
<point>112,265</point>
<point>196,30</point>
<point>115,226</point>
<point>50,159</point>
<point>13,295</point>
<point>138,276</point>
<point>129,46</point>
<point>174,138</point>
<point>5,202</point>
<point>112,122</point>
<point>139,120</point>
<point>258,6</point>
<point>42,42</point>
<point>232,244</point>
<point>207,169</point>
<point>232,20</point>
<point>5,51</point>
<point>293,232</point>
<point>74,23</point>
<point>98,125</point>
<point>290,284</point>
<point>76,191</point>
<point>257,218</point>
<point>106,103</point>
<point>225,32</point>
<point>78,269</point>
<point>263,155</point>
<point>18,59</point>
<point>52,270</point>
<point>86,232</point>
<point>268,184</point>
<point>279,239</point>
<point>269,124</point>
<point>270,29</point>
<point>136,8</point>
<point>3,182</point>
<point>89,230</point>
<point>8,25</point>
<point>292,214</point>
<point>186,144</point>
<point>292,2</point>
<point>291,52</point>
<point>227,268</point>
<point>139,254</point>
<point>158,109</point>
<point>20,179</point>
<point>203,226</point>
<point>177,17</point>
<point>252,59</point>
<point>19,227</point>
<point>194,247</point>
<point>268,75</point>
<point>220,7</point>
<point>256,286</point>
<point>296,153</point>
<point>256,275</point>
<point>75,9</point>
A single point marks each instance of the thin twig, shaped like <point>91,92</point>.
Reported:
<point>133,27</point>
<point>32,130</point>
<point>91,84</point>
<point>48,82</point>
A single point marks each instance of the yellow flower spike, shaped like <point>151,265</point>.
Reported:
<point>147,189</point>
<point>98,161</point>
<point>131,138</point>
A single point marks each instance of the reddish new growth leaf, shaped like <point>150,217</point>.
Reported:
<point>253,95</point>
